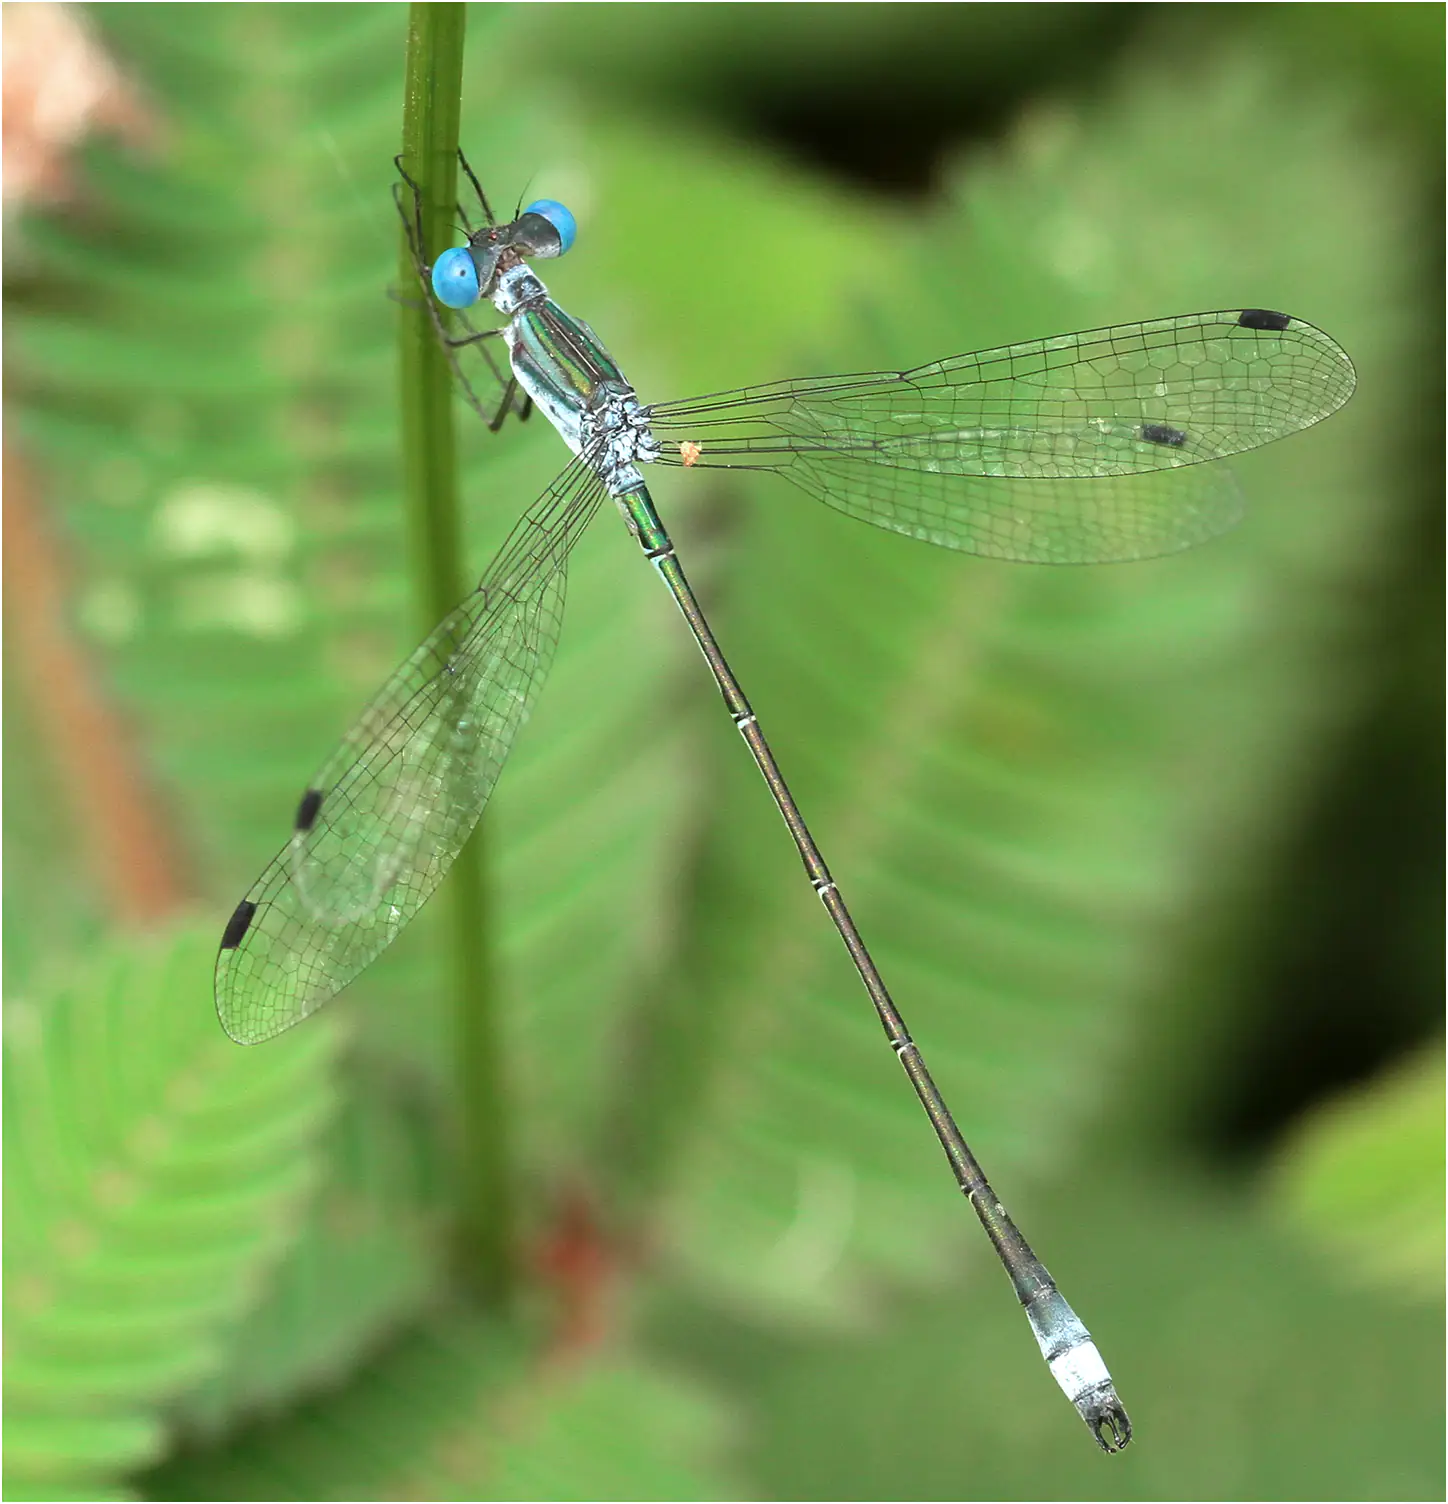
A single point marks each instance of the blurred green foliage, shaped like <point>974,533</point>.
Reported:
<point>1099,825</point>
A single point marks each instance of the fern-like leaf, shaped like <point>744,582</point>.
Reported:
<point>461,1411</point>
<point>361,1264</point>
<point>152,1174</point>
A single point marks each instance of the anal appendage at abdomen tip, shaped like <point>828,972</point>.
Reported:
<point>1078,1368</point>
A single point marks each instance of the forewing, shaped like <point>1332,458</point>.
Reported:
<point>1081,448</point>
<point>388,812</point>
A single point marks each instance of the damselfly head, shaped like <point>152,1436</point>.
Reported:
<point>465,274</point>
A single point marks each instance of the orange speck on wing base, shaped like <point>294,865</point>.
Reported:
<point>689,452</point>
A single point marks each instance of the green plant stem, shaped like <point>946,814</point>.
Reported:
<point>429,143</point>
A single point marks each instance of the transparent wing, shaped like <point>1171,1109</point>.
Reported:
<point>1084,448</point>
<point>388,812</point>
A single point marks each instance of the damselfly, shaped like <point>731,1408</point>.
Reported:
<point>1076,449</point>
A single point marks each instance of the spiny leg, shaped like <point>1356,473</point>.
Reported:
<point>451,344</point>
<point>477,187</point>
<point>515,399</point>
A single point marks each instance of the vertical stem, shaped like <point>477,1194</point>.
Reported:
<point>432,103</point>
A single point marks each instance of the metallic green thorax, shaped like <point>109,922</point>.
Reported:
<point>565,353</point>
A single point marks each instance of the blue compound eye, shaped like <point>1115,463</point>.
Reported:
<point>560,218</point>
<point>455,278</point>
